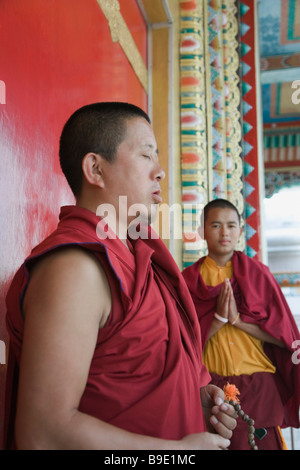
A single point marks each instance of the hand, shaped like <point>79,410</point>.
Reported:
<point>220,416</point>
<point>232,309</point>
<point>222,306</point>
<point>204,441</point>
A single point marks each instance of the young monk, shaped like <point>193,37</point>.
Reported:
<point>247,329</point>
<point>104,334</point>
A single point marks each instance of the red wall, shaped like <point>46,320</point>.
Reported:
<point>55,56</point>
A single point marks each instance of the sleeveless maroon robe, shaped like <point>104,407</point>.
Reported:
<point>146,372</point>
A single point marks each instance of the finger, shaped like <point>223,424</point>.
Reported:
<point>226,415</point>
<point>226,292</point>
<point>224,443</point>
<point>228,409</point>
<point>223,297</point>
<point>217,396</point>
<point>222,406</point>
<point>221,442</point>
<point>223,288</point>
<point>221,428</point>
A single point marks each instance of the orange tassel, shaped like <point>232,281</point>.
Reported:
<point>231,392</point>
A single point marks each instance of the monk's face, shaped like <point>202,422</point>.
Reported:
<point>222,231</point>
<point>136,172</point>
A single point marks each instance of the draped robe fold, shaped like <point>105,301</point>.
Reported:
<point>146,372</point>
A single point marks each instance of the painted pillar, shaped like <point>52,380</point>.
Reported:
<point>219,131</point>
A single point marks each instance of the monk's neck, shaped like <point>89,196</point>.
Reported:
<point>220,260</point>
<point>118,224</point>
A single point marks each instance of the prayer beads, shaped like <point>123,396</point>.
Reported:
<point>231,396</point>
<point>249,421</point>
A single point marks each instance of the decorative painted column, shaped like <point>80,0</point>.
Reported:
<point>218,121</point>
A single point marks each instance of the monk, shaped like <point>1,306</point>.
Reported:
<point>105,341</point>
<point>248,331</point>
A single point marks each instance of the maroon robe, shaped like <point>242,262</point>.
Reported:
<point>146,372</point>
<point>260,301</point>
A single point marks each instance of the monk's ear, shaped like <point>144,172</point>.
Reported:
<point>200,231</point>
<point>92,169</point>
<point>200,228</point>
